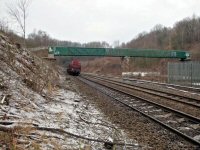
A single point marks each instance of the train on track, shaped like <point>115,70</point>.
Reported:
<point>74,67</point>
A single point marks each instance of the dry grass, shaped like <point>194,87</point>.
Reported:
<point>103,66</point>
<point>8,140</point>
<point>13,140</point>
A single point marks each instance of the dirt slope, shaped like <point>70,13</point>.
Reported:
<point>41,109</point>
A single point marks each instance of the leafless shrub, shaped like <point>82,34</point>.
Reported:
<point>19,13</point>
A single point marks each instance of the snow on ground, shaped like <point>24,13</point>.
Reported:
<point>72,113</point>
<point>66,110</point>
<point>31,99</point>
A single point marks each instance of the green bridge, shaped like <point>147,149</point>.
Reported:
<point>118,52</point>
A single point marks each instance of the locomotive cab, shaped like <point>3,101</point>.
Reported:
<point>74,68</point>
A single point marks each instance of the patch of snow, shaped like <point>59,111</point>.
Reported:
<point>64,110</point>
<point>197,137</point>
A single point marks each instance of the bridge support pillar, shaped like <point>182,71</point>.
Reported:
<point>50,55</point>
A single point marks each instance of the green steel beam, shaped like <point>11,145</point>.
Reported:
<point>112,52</point>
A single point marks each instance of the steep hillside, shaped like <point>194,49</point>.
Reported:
<point>43,109</point>
<point>184,35</point>
<point>21,64</point>
<point>103,66</point>
<point>25,83</point>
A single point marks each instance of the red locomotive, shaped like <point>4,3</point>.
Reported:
<point>74,67</point>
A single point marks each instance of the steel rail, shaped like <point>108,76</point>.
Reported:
<point>165,84</point>
<point>179,87</point>
<point>154,103</point>
<point>193,119</point>
<point>127,85</point>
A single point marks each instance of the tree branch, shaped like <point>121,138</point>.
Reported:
<point>12,127</point>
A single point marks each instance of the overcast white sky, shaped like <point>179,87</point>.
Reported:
<point>103,20</point>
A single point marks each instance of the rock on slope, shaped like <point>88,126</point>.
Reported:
<point>19,63</point>
<point>24,81</point>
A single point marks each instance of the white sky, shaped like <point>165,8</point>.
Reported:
<point>103,20</point>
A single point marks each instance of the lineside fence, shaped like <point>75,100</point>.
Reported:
<point>184,73</point>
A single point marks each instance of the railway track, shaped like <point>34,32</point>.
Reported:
<point>170,86</point>
<point>163,94</point>
<point>185,125</point>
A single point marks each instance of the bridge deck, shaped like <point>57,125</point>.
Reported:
<point>111,52</point>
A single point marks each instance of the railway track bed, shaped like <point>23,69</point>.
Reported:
<point>184,91</point>
<point>182,124</point>
<point>175,100</point>
<point>169,86</point>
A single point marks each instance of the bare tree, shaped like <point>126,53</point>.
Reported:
<point>3,25</point>
<point>19,13</point>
